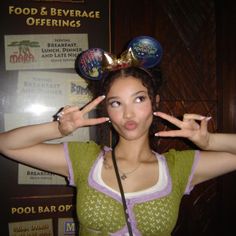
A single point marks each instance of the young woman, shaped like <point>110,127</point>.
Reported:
<point>153,183</point>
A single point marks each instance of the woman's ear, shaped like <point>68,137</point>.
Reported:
<point>157,100</point>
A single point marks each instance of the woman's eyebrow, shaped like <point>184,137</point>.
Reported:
<point>141,91</point>
<point>133,95</point>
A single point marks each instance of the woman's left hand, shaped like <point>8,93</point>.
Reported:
<point>188,128</point>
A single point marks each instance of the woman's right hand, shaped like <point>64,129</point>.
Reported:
<point>72,118</point>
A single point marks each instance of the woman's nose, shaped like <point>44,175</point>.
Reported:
<point>128,112</point>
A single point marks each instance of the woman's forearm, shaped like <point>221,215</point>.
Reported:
<point>28,136</point>
<point>222,142</point>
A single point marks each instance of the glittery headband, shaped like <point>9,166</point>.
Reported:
<point>143,51</point>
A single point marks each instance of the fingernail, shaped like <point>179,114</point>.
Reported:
<point>208,118</point>
<point>156,134</point>
<point>103,96</point>
<point>154,113</point>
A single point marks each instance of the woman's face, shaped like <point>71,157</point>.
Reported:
<point>129,108</point>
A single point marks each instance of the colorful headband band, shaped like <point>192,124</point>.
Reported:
<point>143,51</point>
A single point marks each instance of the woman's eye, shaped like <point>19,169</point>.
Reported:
<point>114,104</point>
<point>140,99</point>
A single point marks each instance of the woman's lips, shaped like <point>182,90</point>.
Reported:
<point>130,125</point>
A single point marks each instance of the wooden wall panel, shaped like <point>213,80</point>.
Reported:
<point>226,77</point>
<point>188,37</point>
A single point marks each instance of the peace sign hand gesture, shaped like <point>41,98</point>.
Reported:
<point>72,118</point>
<point>188,128</point>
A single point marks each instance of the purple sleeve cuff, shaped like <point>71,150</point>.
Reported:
<point>189,187</point>
<point>71,173</point>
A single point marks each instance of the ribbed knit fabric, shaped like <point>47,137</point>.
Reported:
<point>100,211</point>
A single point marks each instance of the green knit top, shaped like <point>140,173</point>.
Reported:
<point>100,211</point>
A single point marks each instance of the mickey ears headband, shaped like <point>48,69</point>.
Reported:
<point>143,51</point>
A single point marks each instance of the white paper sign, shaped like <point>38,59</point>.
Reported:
<point>31,228</point>
<point>43,51</point>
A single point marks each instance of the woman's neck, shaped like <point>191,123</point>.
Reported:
<point>134,151</point>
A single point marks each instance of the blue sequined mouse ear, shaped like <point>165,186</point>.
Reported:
<point>147,50</point>
<point>89,64</point>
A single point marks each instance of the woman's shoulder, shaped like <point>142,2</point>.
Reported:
<point>180,157</point>
<point>181,165</point>
<point>77,148</point>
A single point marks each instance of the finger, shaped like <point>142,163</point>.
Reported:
<point>58,116</point>
<point>174,133</point>
<point>69,109</point>
<point>190,124</point>
<point>194,124</point>
<point>169,118</point>
<point>193,117</point>
<point>204,124</point>
<point>93,104</point>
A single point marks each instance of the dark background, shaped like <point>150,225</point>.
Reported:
<point>198,38</point>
